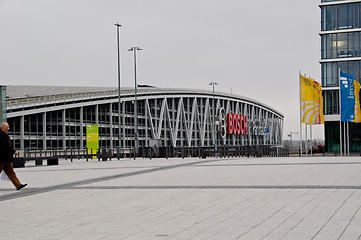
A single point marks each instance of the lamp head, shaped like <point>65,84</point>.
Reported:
<point>134,49</point>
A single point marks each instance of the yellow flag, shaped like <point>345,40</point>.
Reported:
<point>357,86</point>
<point>311,101</point>
<point>319,97</point>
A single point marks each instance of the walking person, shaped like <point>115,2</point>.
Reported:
<point>6,156</point>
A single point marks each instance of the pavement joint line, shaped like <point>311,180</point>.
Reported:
<point>34,168</point>
<point>212,217</point>
<point>324,187</point>
<point>350,222</point>
<point>32,191</point>
<point>315,207</point>
<point>271,215</point>
<point>334,215</point>
<point>281,164</point>
<point>292,215</point>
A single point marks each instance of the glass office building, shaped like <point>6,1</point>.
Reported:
<point>340,49</point>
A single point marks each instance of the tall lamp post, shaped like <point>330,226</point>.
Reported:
<point>134,50</point>
<point>119,118</point>
<point>214,119</point>
<point>290,135</point>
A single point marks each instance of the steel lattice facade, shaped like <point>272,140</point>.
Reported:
<point>174,117</point>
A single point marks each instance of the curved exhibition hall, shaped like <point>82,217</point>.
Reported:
<point>48,118</point>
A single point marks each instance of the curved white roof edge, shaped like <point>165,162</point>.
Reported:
<point>57,94</point>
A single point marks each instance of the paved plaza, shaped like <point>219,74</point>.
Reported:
<point>192,198</point>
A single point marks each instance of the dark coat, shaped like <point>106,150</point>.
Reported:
<point>6,149</point>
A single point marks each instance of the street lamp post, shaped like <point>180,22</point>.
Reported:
<point>134,50</point>
<point>290,135</point>
<point>214,119</point>
<point>119,118</point>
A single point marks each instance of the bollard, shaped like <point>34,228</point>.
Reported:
<point>19,162</point>
<point>166,152</point>
<point>38,162</point>
<point>104,154</point>
<point>52,161</point>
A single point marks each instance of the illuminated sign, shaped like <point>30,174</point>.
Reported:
<point>236,124</point>
<point>259,128</point>
<point>92,138</point>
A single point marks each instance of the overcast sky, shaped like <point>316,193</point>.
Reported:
<point>251,48</point>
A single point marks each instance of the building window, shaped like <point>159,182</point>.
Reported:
<point>341,16</point>
<point>340,45</point>
<point>331,102</point>
<point>330,71</point>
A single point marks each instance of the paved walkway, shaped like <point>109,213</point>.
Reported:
<point>221,199</point>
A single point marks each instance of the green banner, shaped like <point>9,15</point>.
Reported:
<point>92,138</point>
<point>3,104</point>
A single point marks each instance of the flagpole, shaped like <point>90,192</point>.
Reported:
<point>310,132</point>
<point>344,139</point>
<point>348,140</point>
<point>299,76</point>
<point>311,138</point>
<point>340,138</point>
<point>306,142</point>
<point>339,93</point>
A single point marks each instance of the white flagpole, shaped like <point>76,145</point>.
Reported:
<point>299,76</point>
<point>344,139</point>
<point>339,93</point>
<point>306,142</point>
<point>310,142</point>
<point>311,138</point>
<point>348,140</point>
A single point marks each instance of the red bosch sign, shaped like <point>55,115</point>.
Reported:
<point>236,124</point>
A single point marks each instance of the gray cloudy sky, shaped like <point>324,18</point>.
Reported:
<point>252,48</point>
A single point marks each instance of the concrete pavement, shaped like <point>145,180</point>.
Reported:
<point>232,198</point>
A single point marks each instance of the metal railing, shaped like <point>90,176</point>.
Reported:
<point>105,154</point>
